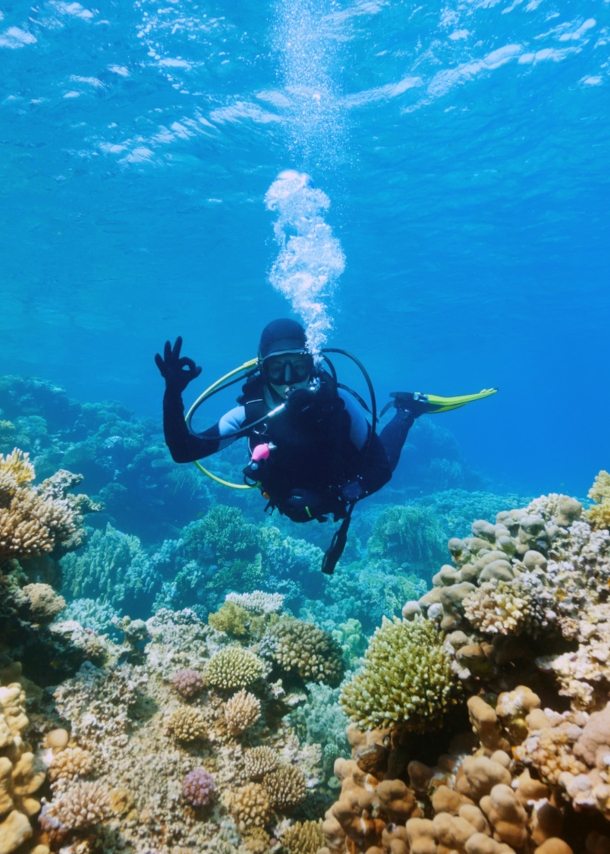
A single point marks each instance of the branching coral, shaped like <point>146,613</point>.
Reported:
<point>259,761</point>
<point>285,787</point>
<point>233,667</point>
<point>69,763</point>
<point>187,724</point>
<point>32,521</point>
<point>81,806</point>
<point>241,712</point>
<point>407,678</point>
<point>303,648</point>
<point>303,837</point>
<point>257,602</point>
<point>599,514</point>
<point>188,683</point>
<point>249,805</point>
<point>198,787</point>
<point>231,619</point>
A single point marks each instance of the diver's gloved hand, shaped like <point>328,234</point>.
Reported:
<point>178,371</point>
<point>300,400</point>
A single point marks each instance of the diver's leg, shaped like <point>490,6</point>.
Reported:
<point>394,435</point>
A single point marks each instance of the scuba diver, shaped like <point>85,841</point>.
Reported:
<point>313,453</point>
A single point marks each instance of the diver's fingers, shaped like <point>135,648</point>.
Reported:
<point>160,363</point>
<point>190,365</point>
<point>177,348</point>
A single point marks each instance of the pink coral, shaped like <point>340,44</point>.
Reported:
<point>198,787</point>
<point>188,683</point>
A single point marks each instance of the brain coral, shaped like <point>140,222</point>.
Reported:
<point>303,648</point>
<point>198,787</point>
<point>407,678</point>
<point>233,667</point>
<point>259,761</point>
<point>188,683</point>
<point>187,724</point>
<point>241,712</point>
<point>285,787</point>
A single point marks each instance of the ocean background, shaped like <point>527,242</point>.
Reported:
<point>464,151</point>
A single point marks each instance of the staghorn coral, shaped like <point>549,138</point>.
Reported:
<point>233,667</point>
<point>198,787</point>
<point>249,806</point>
<point>188,683</point>
<point>285,787</point>
<point>81,806</point>
<point>259,761</point>
<point>599,515</point>
<point>304,649</point>
<point>187,724</point>
<point>70,762</point>
<point>406,679</point>
<point>303,837</point>
<point>241,712</point>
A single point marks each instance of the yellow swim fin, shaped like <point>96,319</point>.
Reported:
<point>421,404</point>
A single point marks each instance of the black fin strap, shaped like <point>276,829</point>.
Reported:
<point>337,545</point>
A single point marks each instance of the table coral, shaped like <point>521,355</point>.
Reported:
<point>257,602</point>
<point>407,678</point>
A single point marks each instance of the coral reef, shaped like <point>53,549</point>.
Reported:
<point>522,618</point>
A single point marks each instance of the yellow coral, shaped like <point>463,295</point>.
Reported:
<point>187,724</point>
<point>599,515</point>
<point>249,806</point>
<point>260,761</point>
<point>230,618</point>
<point>18,465</point>
<point>303,838</point>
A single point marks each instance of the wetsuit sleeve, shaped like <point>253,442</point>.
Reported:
<point>186,447</point>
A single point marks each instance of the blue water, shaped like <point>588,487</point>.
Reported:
<point>463,149</point>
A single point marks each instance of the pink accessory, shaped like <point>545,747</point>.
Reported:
<point>261,452</point>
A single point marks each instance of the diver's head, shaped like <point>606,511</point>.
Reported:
<point>284,361</point>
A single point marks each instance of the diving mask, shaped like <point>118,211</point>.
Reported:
<point>287,368</point>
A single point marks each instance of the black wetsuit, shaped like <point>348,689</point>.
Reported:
<point>321,446</point>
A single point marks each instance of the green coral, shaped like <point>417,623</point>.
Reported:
<point>225,531</point>
<point>351,639</point>
<point>599,515</point>
<point>304,649</point>
<point>406,679</point>
<point>321,721</point>
<point>233,667</point>
<point>230,618</point>
<point>409,533</point>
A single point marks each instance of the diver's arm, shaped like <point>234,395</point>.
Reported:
<point>184,446</point>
